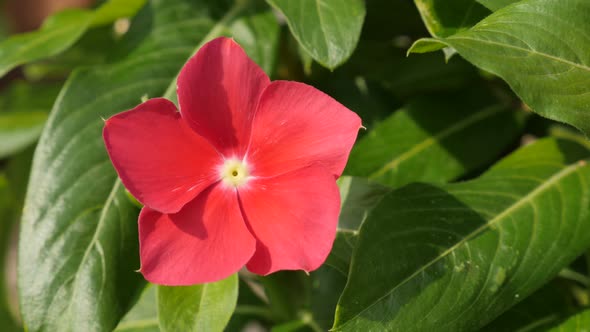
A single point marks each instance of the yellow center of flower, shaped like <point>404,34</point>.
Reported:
<point>234,173</point>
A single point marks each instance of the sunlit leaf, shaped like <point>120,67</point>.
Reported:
<point>206,307</point>
<point>435,140</point>
<point>526,45</point>
<point>453,257</point>
<point>327,29</point>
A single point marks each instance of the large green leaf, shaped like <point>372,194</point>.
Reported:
<point>447,17</point>
<point>60,31</point>
<point>435,139</point>
<point>327,29</point>
<point>206,307</point>
<point>78,241</point>
<point>524,44</point>
<point>453,257</point>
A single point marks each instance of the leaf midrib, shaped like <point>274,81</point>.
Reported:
<point>99,226</point>
<point>521,49</point>
<point>430,141</point>
<point>529,197</point>
<point>322,29</point>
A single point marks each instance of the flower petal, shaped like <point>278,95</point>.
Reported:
<point>218,90</point>
<point>160,160</point>
<point>206,241</point>
<point>297,125</point>
<point>293,217</point>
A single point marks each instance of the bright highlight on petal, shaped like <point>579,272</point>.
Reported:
<point>243,175</point>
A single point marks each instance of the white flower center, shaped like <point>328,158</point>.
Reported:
<point>234,172</point>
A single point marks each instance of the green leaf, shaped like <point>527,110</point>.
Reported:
<point>206,307</point>
<point>542,309</point>
<point>425,141</point>
<point>447,17</point>
<point>523,43</point>
<point>258,34</point>
<point>19,130</point>
<point>143,317</point>
<point>327,29</point>
<point>342,249</point>
<point>287,292</point>
<point>252,304</point>
<point>112,10</point>
<point>327,285</point>
<point>576,323</point>
<point>59,32</point>
<point>358,196</point>
<point>453,257</point>
<point>78,247</point>
<point>494,5</point>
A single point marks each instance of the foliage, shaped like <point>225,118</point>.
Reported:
<point>465,204</point>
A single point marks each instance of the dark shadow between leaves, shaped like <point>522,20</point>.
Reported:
<point>454,16</point>
<point>471,126</point>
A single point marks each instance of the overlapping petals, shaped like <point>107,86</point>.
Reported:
<point>205,240</point>
<point>160,160</point>
<point>297,125</point>
<point>288,143</point>
<point>297,229</point>
<point>218,90</point>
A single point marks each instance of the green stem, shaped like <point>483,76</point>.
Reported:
<point>575,276</point>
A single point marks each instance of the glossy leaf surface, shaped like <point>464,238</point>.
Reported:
<point>327,29</point>
<point>78,243</point>
<point>454,257</point>
<point>206,307</point>
<point>525,45</point>
<point>435,140</point>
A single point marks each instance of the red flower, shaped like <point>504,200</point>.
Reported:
<point>243,174</point>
